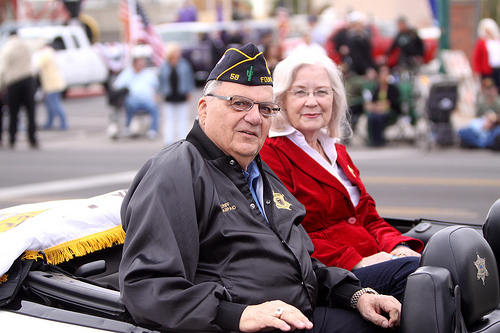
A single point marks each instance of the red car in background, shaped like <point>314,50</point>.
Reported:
<point>383,34</point>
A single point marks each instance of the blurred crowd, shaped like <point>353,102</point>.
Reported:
<point>380,76</point>
<point>350,44</point>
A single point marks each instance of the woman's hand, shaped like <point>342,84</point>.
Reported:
<point>399,251</point>
<point>373,259</point>
<point>404,251</point>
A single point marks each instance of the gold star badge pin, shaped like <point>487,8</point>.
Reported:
<point>280,202</point>
<point>482,272</point>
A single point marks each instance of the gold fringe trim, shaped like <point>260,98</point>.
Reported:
<point>3,278</point>
<point>79,247</point>
<point>32,255</point>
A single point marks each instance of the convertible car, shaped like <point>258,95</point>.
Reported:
<point>59,270</point>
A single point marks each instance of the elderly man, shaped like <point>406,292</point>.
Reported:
<point>214,241</point>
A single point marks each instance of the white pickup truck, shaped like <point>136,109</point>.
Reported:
<point>78,61</point>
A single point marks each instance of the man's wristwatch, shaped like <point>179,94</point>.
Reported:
<point>355,297</point>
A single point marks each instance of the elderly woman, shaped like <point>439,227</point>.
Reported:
<point>303,150</point>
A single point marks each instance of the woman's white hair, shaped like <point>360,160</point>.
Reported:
<point>284,76</point>
<point>488,28</point>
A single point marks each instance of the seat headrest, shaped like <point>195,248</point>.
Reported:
<point>429,304</point>
<point>491,228</point>
<point>471,262</point>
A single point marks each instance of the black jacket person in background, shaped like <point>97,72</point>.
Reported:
<point>214,241</point>
<point>410,45</point>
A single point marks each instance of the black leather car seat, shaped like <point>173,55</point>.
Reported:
<point>456,289</point>
<point>491,229</point>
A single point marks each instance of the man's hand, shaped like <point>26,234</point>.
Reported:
<point>273,315</point>
<point>373,306</point>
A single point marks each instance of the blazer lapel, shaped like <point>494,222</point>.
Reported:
<point>348,167</point>
<point>308,165</point>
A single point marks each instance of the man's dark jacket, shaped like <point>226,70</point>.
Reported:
<point>198,250</point>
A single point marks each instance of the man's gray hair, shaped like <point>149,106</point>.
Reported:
<point>211,87</point>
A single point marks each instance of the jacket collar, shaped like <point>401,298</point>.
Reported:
<point>207,148</point>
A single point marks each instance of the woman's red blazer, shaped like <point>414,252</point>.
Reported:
<point>342,234</point>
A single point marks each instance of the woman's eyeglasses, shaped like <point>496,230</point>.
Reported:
<point>240,103</point>
<point>320,93</point>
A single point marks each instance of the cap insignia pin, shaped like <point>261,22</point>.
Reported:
<point>250,73</point>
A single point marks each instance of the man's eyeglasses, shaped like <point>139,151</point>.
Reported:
<point>320,93</point>
<point>241,103</point>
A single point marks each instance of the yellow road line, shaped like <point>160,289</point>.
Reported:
<point>416,212</point>
<point>480,182</point>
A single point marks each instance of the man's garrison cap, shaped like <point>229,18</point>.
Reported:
<point>245,65</point>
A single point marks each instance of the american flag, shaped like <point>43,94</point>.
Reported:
<point>139,30</point>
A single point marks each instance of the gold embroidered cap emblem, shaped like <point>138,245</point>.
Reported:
<point>280,202</point>
<point>482,272</point>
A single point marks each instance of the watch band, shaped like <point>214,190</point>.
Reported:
<point>355,297</point>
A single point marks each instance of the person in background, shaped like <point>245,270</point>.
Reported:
<point>382,106</point>
<point>353,43</point>
<point>351,47</point>
<point>483,131</point>
<point>176,86</point>
<point>143,87</point>
<point>216,45</point>
<point>16,71</point>
<point>2,106</point>
<point>307,42</point>
<point>272,54</point>
<point>410,46</point>
<point>116,58</point>
<point>219,10</point>
<point>317,33</point>
<point>265,39</point>
<point>304,151</point>
<point>214,239</point>
<point>486,53</point>
<point>188,12</point>
<point>53,85</point>
<point>355,85</point>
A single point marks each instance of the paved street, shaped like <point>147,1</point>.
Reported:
<point>444,184</point>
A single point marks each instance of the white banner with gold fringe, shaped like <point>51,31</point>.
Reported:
<point>62,229</point>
